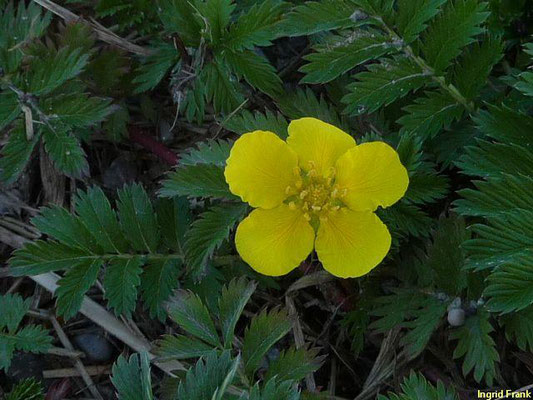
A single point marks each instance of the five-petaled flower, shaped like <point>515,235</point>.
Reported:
<point>316,190</point>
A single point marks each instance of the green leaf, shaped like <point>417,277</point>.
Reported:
<point>180,17</point>
<point>217,14</point>
<point>95,211</point>
<point>256,70</point>
<point>274,390</point>
<point>214,152</point>
<point>231,303</point>
<point>472,72</point>
<point>405,218</point>
<point>200,180</point>
<point>6,353</point>
<point>317,16</point>
<point>507,125</point>
<point>60,224</point>
<point>40,256</point>
<point>255,26</point>
<point>16,153</point>
<point>294,365</point>
<point>510,287</point>
<point>77,109</point>
<point>179,347</point>
<point>158,280</point>
<point>191,315</point>
<point>155,66</point>
<point>246,121</point>
<point>174,219</point>
<point>132,378</point>
<point>453,29</point>
<point>344,53</point>
<point>477,347</point>
<point>65,151</point>
<point>221,89</point>
<point>383,84</point>
<point>415,386</point>
<point>413,16</point>
<point>426,187</point>
<point>32,338</point>
<point>207,379</point>
<point>9,108</point>
<point>209,231</point>
<point>27,389</point>
<point>264,331</point>
<point>55,68</point>
<point>138,219</point>
<point>73,286</point>
<point>121,281</point>
<point>519,328</point>
<point>430,114</point>
<point>12,309</point>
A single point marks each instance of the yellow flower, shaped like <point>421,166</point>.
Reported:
<point>316,190</point>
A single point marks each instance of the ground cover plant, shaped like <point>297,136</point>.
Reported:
<point>266,199</point>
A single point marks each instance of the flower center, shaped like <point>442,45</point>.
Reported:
<point>315,195</point>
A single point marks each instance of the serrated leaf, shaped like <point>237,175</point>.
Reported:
<point>472,72</point>
<point>121,281</point>
<point>246,121</point>
<point>453,29</point>
<point>430,114</point>
<point>174,218</point>
<point>12,309</point>
<point>214,152</point>
<point>413,16</point>
<point>415,386</point>
<point>221,88</point>
<point>95,211</point>
<point>256,26</point>
<point>209,231</point>
<point>206,377</point>
<point>55,68</point>
<point>519,328</point>
<point>16,153</point>
<point>264,331</point>
<point>32,338</point>
<point>256,70</point>
<point>317,16</point>
<point>188,311</point>
<point>179,347</point>
<point>344,53</point>
<point>200,180</point>
<point>9,108</point>
<point>507,125</point>
<point>158,280</point>
<point>293,365</point>
<point>74,285</point>
<point>426,187</point>
<point>477,347</point>
<point>155,66</point>
<point>217,16</point>
<point>231,303</point>
<point>138,219</point>
<point>383,84</point>
<point>65,151</point>
<point>406,219</point>
<point>78,109</point>
<point>131,378</point>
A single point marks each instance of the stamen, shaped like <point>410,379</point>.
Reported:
<point>288,190</point>
<point>311,173</point>
<point>316,208</point>
<point>292,205</point>
<point>335,208</point>
<point>307,217</point>
<point>299,184</point>
<point>303,193</point>
<point>305,207</point>
<point>311,164</point>
<point>331,172</point>
<point>296,171</point>
<point>343,192</point>
<point>334,193</point>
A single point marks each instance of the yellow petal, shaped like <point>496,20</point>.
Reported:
<point>349,243</point>
<point>372,175</point>
<point>274,242</point>
<point>319,143</point>
<point>260,168</point>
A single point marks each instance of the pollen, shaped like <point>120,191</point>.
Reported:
<point>315,194</point>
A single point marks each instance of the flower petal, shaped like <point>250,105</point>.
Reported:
<point>349,243</point>
<point>372,175</point>
<point>274,242</point>
<point>259,169</point>
<point>319,142</point>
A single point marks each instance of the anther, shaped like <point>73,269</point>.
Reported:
<point>299,184</point>
<point>316,208</point>
<point>335,208</point>
<point>307,217</point>
<point>303,193</point>
<point>334,193</point>
<point>292,205</point>
<point>296,171</point>
<point>311,173</point>
<point>288,190</point>
<point>305,207</point>
<point>344,192</point>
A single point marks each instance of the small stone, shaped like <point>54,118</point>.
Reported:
<point>95,346</point>
<point>456,317</point>
<point>121,171</point>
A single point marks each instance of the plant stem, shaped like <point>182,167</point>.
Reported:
<point>141,137</point>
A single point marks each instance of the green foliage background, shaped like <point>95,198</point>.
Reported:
<point>446,82</point>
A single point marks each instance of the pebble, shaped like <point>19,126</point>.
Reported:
<point>96,347</point>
